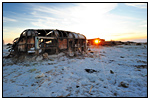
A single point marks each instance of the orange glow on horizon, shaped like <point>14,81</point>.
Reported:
<point>97,41</point>
<point>8,38</point>
<point>130,38</point>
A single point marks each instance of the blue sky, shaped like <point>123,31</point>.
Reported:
<point>110,21</point>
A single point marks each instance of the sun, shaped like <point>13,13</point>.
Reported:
<point>97,41</point>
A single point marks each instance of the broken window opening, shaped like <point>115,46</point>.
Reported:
<point>49,42</point>
<point>42,40</point>
<point>49,33</point>
<point>60,33</point>
<point>24,33</point>
<point>29,33</point>
<point>39,33</point>
<point>70,35</point>
<point>64,34</point>
<point>15,40</point>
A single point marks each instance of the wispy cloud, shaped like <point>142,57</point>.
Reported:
<point>79,15</point>
<point>143,24</point>
<point>122,34</point>
<point>138,5</point>
<point>91,19</point>
<point>83,18</point>
<point>6,19</point>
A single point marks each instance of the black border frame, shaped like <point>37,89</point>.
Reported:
<point>74,2</point>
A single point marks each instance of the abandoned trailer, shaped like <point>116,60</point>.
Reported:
<point>52,41</point>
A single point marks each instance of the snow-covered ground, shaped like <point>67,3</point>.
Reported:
<point>118,71</point>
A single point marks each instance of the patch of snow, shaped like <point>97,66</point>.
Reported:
<point>60,76</point>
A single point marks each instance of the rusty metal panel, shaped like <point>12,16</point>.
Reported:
<point>62,44</point>
<point>20,46</point>
<point>30,42</point>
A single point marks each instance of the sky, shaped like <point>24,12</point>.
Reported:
<point>109,21</point>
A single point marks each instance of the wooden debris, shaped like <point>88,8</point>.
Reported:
<point>39,58</point>
<point>39,76</point>
<point>90,70</point>
<point>90,89</point>
<point>49,83</point>
<point>140,66</point>
<point>121,57</point>
<point>111,72</point>
<point>124,84</point>
<point>45,55</point>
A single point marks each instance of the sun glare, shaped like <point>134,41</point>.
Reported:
<point>97,41</point>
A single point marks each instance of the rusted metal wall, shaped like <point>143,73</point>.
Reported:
<point>30,42</point>
<point>21,45</point>
<point>62,43</point>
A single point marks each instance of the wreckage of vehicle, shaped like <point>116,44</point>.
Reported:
<point>51,41</point>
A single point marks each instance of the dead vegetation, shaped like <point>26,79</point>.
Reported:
<point>140,66</point>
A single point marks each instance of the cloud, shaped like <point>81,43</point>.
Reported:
<point>6,19</point>
<point>138,5</point>
<point>91,19</point>
<point>143,24</point>
<point>122,34</point>
<point>86,18</point>
<point>78,17</point>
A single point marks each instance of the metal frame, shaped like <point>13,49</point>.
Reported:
<point>39,34</point>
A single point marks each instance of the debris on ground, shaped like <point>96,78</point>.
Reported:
<point>45,55</point>
<point>111,72</point>
<point>124,84</point>
<point>90,70</point>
